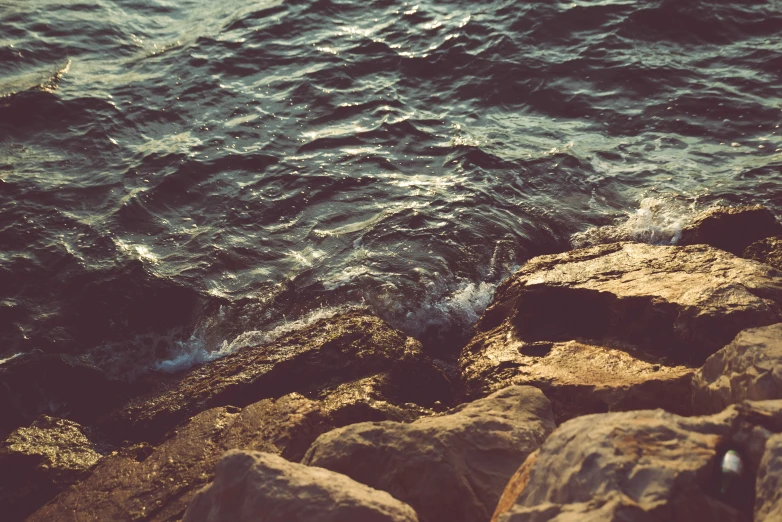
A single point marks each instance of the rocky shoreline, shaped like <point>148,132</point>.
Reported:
<point>605,383</point>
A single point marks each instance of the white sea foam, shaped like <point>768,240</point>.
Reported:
<point>14,356</point>
<point>194,351</point>
<point>658,221</point>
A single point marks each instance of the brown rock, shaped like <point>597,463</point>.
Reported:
<point>768,251</point>
<point>559,322</point>
<point>644,466</point>
<point>452,467</point>
<point>39,461</point>
<point>252,486</point>
<point>749,368</point>
<point>156,484</point>
<point>731,228</point>
<point>768,487</point>
<point>315,360</point>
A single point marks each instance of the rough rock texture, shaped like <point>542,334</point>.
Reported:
<point>452,467</point>
<point>156,484</point>
<point>53,384</point>
<point>748,368</point>
<point>731,228</point>
<point>768,251</point>
<point>315,360</point>
<point>664,306</point>
<point>39,461</point>
<point>643,466</point>
<point>768,488</point>
<point>254,486</point>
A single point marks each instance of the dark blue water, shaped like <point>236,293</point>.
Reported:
<point>184,176</point>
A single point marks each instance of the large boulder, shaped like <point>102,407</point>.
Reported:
<point>315,361</point>
<point>254,486</point>
<point>39,461</point>
<point>156,484</point>
<point>452,467</point>
<point>768,251</point>
<point>768,487</point>
<point>665,307</point>
<point>750,368</point>
<point>731,228</point>
<point>645,466</point>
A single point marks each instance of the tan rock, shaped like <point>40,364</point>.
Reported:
<point>254,486</point>
<point>768,251</point>
<point>768,487</point>
<point>39,461</point>
<point>731,228</point>
<point>749,368</point>
<point>562,320</point>
<point>451,467</point>
<point>643,466</point>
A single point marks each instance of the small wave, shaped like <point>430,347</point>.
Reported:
<point>657,221</point>
<point>194,351</point>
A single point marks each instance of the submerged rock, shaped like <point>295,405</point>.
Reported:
<point>316,360</point>
<point>644,466</point>
<point>558,322</point>
<point>452,467</point>
<point>731,228</point>
<point>768,251</point>
<point>750,368</point>
<point>39,461</point>
<point>251,486</point>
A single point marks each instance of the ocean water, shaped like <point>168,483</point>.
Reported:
<point>179,178</point>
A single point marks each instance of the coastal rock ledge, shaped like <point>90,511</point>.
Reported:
<point>617,327</point>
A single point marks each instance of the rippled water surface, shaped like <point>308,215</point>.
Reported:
<point>178,177</point>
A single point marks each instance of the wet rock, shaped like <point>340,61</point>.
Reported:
<point>642,466</point>
<point>452,467</point>
<point>156,484</point>
<point>38,383</point>
<point>768,489</point>
<point>731,228</point>
<point>315,360</point>
<point>664,306</point>
<point>252,486</point>
<point>750,368</point>
<point>768,251</point>
<point>39,461</point>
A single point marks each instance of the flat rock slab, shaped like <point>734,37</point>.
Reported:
<point>328,354</point>
<point>578,378</point>
<point>644,466</point>
<point>39,461</point>
<point>749,368</point>
<point>451,467</point>
<point>731,228</point>
<point>768,487</point>
<point>254,486</point>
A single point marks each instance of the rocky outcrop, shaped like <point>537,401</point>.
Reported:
<point>750,367</point>
<point>39,461</point>
<point>251,486</point>
<point>768,251</point>
<point>332,353</point>
<point>451,467</point>
<point>731,228</point>
<point>768,488</point>
<point>645,466</point>
<point>156,484</point>
<point>559,322</point>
